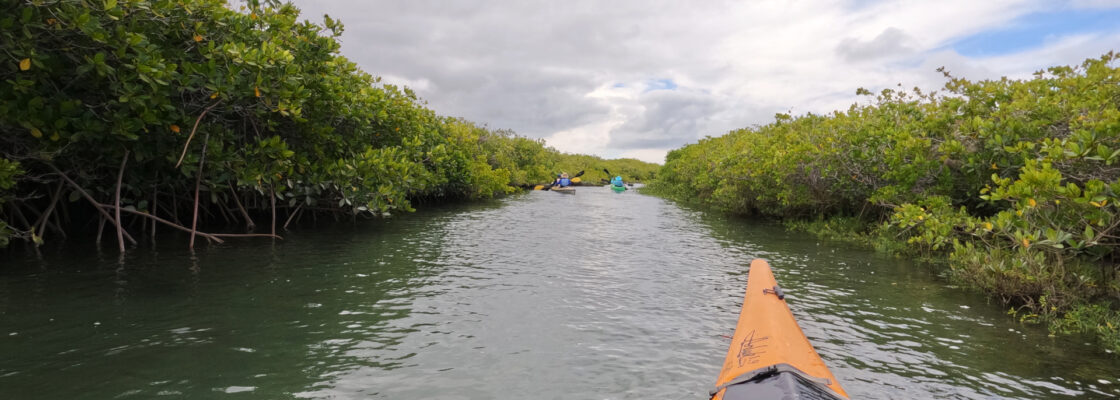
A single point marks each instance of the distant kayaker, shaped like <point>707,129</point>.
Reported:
<point>617,185</point>
<point>562,180</point>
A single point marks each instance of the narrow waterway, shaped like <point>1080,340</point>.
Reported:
<point>595,295</point>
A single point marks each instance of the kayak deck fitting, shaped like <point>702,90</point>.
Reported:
<point>769,356</point>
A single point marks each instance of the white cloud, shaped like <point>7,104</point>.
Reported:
<point>647,155</point>
<point>577,73</point>
<point>891,43</point>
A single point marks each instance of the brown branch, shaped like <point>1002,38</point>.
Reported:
<point>100,229</point>
<point>89,199</point>
<point>117,201</point>
<point>221,208</point>
<point>196,122</point>
<point>64,214</point>
<point>209,236</point>
<point>294,213</point>
<point>197,183</point>
<point>58,223</point>
<point>246,235</point>
<point>1102,234</point>
<point>249,225</point>
<point>19,214</point>
<point>272,196</point>
<point>155,207</point>
<point>175,208</point>
<point>42,222</point>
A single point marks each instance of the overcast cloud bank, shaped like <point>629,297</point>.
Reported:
<point>638,78</point>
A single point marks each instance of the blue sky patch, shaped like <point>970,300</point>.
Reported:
<point>1034,30</point>
<point>660,84</point>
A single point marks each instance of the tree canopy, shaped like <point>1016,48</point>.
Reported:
<point>188,104</point>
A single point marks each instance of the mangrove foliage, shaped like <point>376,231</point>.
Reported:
<point>1015,183</point>
<point>128,116</point>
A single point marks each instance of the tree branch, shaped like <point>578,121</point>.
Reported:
<point>209,236</point>
<point>196,122</point>
<point>89,198</point>
<point>197,183</point>
<point>117,201</point>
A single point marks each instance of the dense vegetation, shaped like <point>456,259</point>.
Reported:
<point>1016,183</point>
<point>170,112</point>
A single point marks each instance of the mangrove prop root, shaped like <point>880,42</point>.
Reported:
<point>272,195</point>
<point>155,206</point>
<point>96,205</point>
<point>58,223</point>
<point>15,207</point>
<point>225,214</point>
<point>198,181</point>
<point>117,201</point>
<point>41,224</point>
<point>100,229</point>
<point>249,225</point>
<point>42,217</point>
<point>209,236</point>
<point>175,208</point>
<point>294,213</point>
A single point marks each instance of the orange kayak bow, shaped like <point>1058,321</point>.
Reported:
<point>769,357</point>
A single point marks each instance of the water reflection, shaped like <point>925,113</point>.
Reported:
<point>597,295</point>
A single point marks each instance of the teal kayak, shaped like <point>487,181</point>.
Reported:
<point>618,189</point>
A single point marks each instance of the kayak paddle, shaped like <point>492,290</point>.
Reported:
<point>574,179</point>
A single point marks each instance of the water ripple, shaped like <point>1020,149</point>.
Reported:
<point>597,295</point>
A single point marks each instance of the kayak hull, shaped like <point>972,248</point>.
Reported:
<point>618,189</point>
<point>769,356</point>
<point>564,189</point>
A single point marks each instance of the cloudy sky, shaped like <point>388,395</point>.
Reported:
<point>636,78</point>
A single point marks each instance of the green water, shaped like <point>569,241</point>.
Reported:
<point>599,295</point>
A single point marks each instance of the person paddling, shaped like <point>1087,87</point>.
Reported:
<point>562,180</point>
<point>617,182</point>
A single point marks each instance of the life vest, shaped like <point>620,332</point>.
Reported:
<point>617,181</point>
<point>565,182</point>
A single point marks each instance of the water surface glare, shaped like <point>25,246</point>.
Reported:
<point>595,295</point>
